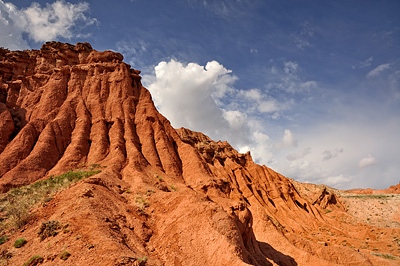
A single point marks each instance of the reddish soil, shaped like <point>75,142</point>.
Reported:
<point>165,196</point>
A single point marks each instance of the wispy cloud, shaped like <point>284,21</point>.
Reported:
<point>226,8</point>
<point>377,71</point>
<point>366,63</point>
<point>302,38</point>
<point>330,154</point>
<point>287,78</point>
<point>367,161</point>
<point>299,155</point>
<point>134,52</point>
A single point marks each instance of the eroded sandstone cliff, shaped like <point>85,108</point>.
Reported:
<point>174,197</point>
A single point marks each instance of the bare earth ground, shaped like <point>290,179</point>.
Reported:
<point>371,221</point>
<point>378,210</point>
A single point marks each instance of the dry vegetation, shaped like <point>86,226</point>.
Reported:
<point>15,205</point>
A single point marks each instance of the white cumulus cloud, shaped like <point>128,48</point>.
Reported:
<point>55,20</point>
<point>288,140</point>
<point>189,95</point>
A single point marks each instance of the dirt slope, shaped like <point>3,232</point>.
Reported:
<point>164,196</point>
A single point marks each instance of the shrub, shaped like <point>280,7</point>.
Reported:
<point>141,202</point>
<point>19,242</point>
<point>64,255</point>
<point>3,240</point>
<point>142,260</point>
<point>35,260</point>
<point>158,177</point>
<point>49,228</point>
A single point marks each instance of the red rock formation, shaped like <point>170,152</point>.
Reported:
<point>328,199</point>
<point>395,189</point>
<point>174,196</point>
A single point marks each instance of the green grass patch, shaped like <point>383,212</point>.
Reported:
<point>64,255</point>
<point>144,259</point>
<point>158,177</point>
<point>141,202</point>
<point>385,256</point>
<point>366,196</point>
<point>17,203</point>
<point>3,240</point>
<point>19,242</point>
<point>35,260</point>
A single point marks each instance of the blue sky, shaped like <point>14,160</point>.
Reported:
<point>311,88</point>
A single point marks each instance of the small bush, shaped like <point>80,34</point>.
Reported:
<point>64,255</point>
<point>19,242</point>
<point>149,192</point>
<point>142,259</point>
<point>173,188</point>
<point>141,202</point>
<point>3,240</point>
<point>49,228</point>
<point>90,246</point>
<point>35,260</point>
<point>158,177</point>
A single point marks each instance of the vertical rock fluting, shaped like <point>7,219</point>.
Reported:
<point>65,106</point>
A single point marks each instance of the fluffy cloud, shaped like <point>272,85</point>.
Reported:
<point>261,148</point>
<point>376,71</point>
<point>260,102</point>
<point>369,160</point>
<point>203,98</point>
<point>189,95</point>
<point>288,139</point>
<point>58,19</point>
